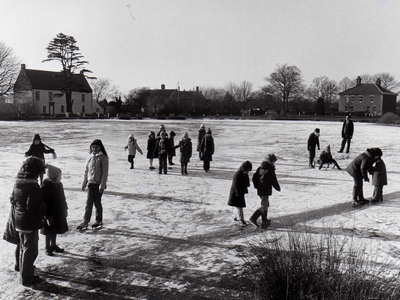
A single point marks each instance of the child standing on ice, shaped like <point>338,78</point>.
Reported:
<point>185,146</point>
<point>264,179</point>
<point>151,145</point>
<point>207,150</point>
<point>379,179</point>
<point>95,178</point>
<point>240,183</point>
<point>161,151</point>
<point>132,146</point>
<point>57,209</point>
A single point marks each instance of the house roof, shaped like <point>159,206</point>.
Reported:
<point>163,93</point>
<point>48,80</point>
<point>367,89</point>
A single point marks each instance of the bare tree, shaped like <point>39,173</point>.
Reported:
<point>286,83</point>
<point>388,81</point>
<point>322,87</point>
<point>215,96</point>
<point>103,89</point>
<point>9,69</point>
<point>244,93</point>
<point>345,84</point>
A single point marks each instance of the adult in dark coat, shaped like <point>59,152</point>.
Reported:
<point>38,149</point>
<point>172,148</point>
<point>359,168</point>
<point>161,151</point>
<point>240,183</point>
<point>264,179</point>
<point>185,146</point>
<point>347,134</point>
<point>207,150</point>
<point>200,137</point>
<point>151,145</point>
<point>29,208</point>
<point>313,141</point>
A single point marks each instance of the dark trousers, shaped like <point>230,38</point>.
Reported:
<point>29,252</point>
<point>358,194</point>
<point>184,168</point>
<point>206,165</point>
<point>93,197</point>
<point>162,165</point>
<point>312,156</point>
<point>378,193</point>
<point>348,140</point>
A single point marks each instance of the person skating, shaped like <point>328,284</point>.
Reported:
<point>132,146</point>
<point>347,133</point>
<point>185,146</point>
<point>264,179</point>
<point>358,169</point>
<point>240,183</point>
<point>95,178</point>
<point>313,141</point>
<point>207,150</point>
<point>57,209</point>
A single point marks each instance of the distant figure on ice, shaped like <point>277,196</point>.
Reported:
<point>358,169</point>
<point>172,148</point>
<point>240,183</point>
<point>207,150</point>
<point>347,133</point>
<point>379,179</point>
<point>326,158</point>
<point>38,149</point>
<point>313,141</point>
<point>29,210</point>
<point>200,137</point>
<point>57,209</point>
<point>185,146</point>
<point>161,151</point>
<point>95,178</point>
<point>264,179</point>
<point>162,129</point>
<point>132,146</point>
<point>151,145</point>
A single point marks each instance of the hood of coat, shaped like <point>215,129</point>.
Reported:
<point>266,165</point>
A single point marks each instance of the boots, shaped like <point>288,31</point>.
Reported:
<point>265,221</point>
<point>255,216</point>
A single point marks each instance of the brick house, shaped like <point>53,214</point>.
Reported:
<point>42,89</point>
<point>368,98</point>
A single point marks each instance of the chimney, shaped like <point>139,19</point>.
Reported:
<point>378,82</point>
<point>163,86</point>
<point>358,80</point>
<point>23,66</point>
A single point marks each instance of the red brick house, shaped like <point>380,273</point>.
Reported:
<point>368,98</point>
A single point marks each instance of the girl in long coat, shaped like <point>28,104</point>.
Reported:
<point>240,183</point>
<point>207,150</point>
<point>151,145</point>
<point>185,146</point>
<point>200,137</point>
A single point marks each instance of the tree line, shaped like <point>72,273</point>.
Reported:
<point>284,91</point>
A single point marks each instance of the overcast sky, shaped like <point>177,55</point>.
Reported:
<point>208,43</point>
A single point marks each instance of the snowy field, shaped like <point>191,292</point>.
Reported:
<point>173,236</point>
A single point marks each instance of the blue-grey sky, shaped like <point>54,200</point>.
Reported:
<point>136,43</point>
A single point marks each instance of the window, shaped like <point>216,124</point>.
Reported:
<point>44,109</point>
<point>37,96</point>
<point>346,108</point>
<point>62,109</point>
<point>51,96</point>
<point>371,97</point>
<point>83,109</point>
<point>352,99</point>
<point>374,108</point>
<point>347,99</point>
<point>360,99</point>
<point>83,97</point>
<point>351,108</point>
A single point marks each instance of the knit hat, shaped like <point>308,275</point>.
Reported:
<point>246,166</point>
<point>172,133</point>
<point>36,137</point>
<point>209,131</point>
<point>151,133</point>
<point>316,130</point>
<point>52,171</point>
<point>271,158</point>
<point>202,126</point>
<point>185,135</point>
<point>131,136</point>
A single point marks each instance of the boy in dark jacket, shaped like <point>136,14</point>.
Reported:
<point>161,151</point>
<point>358,169</point>
<point>313,141</point>
<point>264,179</point>
<point>29,208</point>
<point>379,179</point>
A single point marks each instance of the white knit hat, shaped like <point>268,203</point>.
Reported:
<point>52,171</point>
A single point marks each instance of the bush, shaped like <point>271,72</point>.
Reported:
<point>306,267</point>
<point>389,118</point>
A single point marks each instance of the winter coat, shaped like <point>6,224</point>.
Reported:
<point>54,198</point>
<point>96,170</point>
<point>200,137</point>
<point>240,183</point>
<point>348,129</point>
<point>162,148</point>
<point>39,150</point>
<point>359,167</point>
<point>29,205</point>
<point>207,148</point>
<point>11,235</point>
<point>326,157</point>
<point>151,145</point>
<point>172,146</point>
<point>379,175</point>
<point>185,147</point>
<point>266,179</point>
<point>313,140</point>
<point>132,146</point>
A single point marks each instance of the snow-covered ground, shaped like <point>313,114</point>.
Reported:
<point>173,236</point>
